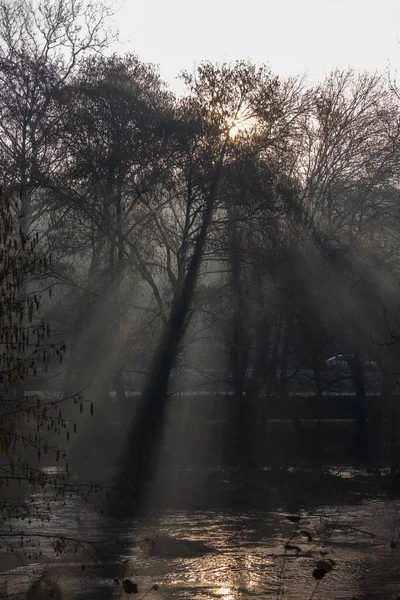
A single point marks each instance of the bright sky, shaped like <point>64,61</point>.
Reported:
<point>292,36</point>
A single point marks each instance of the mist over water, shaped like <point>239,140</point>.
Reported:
<point>199,324</point>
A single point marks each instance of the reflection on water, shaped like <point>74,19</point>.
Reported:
<point>254,553</point>
<point>225,593</point>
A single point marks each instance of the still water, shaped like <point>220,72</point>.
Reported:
<point>219,553</point>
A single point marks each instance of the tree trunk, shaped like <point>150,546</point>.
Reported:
<point>80,349</point>
<point>120,394</point>
<point>361,406</point>
<point>390,410</point>
<point>283,363</point>
<point>141,451</point>
<point>317,402</point>
<point>256,384</point>
<point>242,430</point>
<point>239,342</point>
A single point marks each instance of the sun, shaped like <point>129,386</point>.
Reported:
<point>234,130</point>
<point>237,126</point>
<point>234,127</point>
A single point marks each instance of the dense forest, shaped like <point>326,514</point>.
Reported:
<point>237,245</point>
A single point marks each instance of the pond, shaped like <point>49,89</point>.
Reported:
<point>221,553</point>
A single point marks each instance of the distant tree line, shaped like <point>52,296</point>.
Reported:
<point>252,222</point>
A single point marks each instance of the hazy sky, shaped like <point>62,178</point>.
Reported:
<point>292,36</point>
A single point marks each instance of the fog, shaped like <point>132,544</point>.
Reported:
<point>199,315</point>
